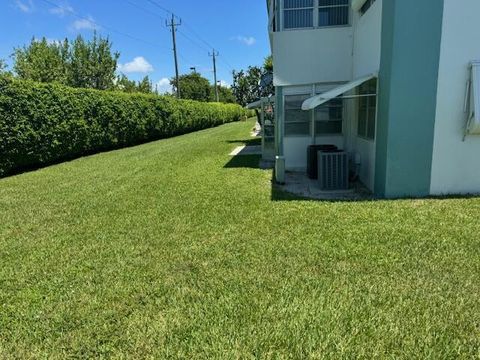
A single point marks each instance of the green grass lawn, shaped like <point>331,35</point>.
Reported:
<point>175,250</point>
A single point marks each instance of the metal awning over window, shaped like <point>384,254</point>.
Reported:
<point>259,103</point>
<point>321,99</point>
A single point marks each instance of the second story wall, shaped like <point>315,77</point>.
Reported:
<point>313,42</point>
<point>367,41</point>
<point>312,56</point>
<point>328,54</point>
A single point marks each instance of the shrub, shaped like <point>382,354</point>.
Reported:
<point>41,124</point>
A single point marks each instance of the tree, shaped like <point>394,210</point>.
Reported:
<point>193,86</point>
<point>225,95</point>
<point>125,84</point>
<point>86,64</point>
<point>42,61</point>
<point>3,65</point>
<point>145,86</point>
<point>247,84</point>
<point>92,63</point>
<point>268,64</point>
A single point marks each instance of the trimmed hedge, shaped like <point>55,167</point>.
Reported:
<point>41,124</point>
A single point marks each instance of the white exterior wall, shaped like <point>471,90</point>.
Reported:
<point>330,55</point>
<point>304,57</point>
<point>456,164</point>
<point>366,60</point>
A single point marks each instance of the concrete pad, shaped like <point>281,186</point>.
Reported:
<point>256,131</point>
<point>247,150</point>
<point>299,184</point>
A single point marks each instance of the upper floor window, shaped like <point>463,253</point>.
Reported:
<point>304,14</point>
<point>297,14</point>
<point>333,12</point>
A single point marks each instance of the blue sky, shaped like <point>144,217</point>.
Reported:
<point>237,29</point>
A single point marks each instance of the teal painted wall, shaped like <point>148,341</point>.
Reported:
<point>411,37</point>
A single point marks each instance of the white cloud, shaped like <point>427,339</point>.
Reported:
<point>84,24</point>
<point>138,65</point>
<point>164,86</point>
<point>62,10</point>
<point>25,6</point>
<point>246,40</point>
<point>223,83</point>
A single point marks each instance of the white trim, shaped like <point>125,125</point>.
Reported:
<point>259,103</point>
<point>318,100</point>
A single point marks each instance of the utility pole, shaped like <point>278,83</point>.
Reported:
<point>174,25</point>
<point>214,55</point>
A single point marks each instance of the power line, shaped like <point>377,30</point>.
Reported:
<point>145,9</point>
<point>186,24</point>
<point>161,7</point>
<point>164,19</point>
<point>75,14</point>
<point>198,36</point>
<point>193,41</point>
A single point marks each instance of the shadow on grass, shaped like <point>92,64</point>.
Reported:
<point>244,161</point>
<point>280,195</point>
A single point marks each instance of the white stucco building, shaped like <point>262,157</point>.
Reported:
<point>389,81</point>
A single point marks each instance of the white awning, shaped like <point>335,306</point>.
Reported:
<point>258,104</point>
<point>357,4</point>
<point>321,99</point>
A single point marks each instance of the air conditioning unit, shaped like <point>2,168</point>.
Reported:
<point>312,158</point>
<point>333,170</point>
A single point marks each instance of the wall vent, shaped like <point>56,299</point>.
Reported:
<point>333,170</point>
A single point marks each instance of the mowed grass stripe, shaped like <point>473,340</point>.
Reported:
<point>167,250</point>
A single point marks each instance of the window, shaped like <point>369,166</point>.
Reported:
<point>366,6</point>
<point>297,121</point>
<point>333,12</point>
<point>329,118</point>
<point>297,14</point>
<point>367,110</point>
<point>326,119</point>
<point>304,14</point>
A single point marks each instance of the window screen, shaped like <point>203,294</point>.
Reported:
<point>297,121</point>
<point>333,12</point>
<point>329,118</point>
<point>297,14</point>
<point>367,110</point>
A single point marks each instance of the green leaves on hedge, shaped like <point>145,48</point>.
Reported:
<point>42,124</point>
